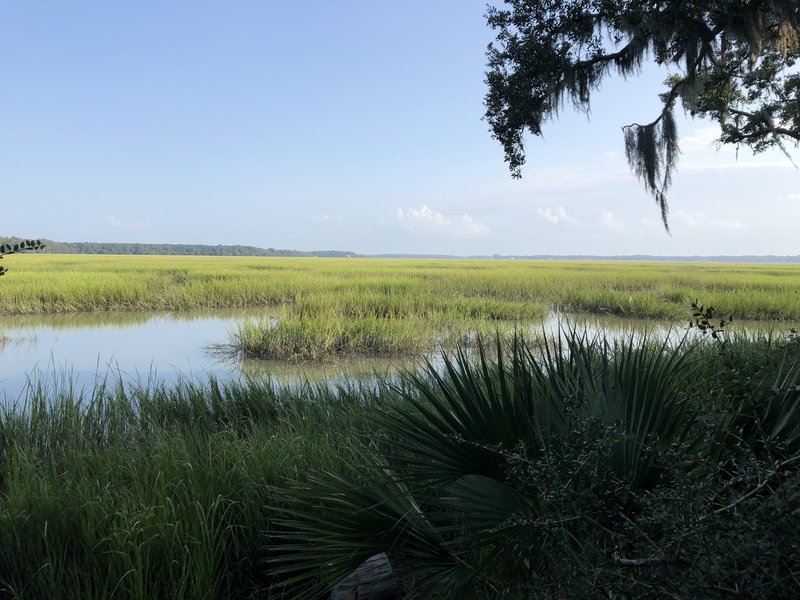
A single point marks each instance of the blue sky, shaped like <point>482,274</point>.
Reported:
<point>348,125</point>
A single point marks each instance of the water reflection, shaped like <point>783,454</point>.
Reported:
<point>128,345</point>
<point>116,319</point>
<point>85,348</point>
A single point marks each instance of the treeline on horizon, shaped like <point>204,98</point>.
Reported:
<point>52,247</point>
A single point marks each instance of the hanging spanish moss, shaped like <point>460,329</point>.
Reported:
<point>652,152</point>
<point>734,62</point>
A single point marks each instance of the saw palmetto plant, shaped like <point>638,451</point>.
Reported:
<point>450,483</point>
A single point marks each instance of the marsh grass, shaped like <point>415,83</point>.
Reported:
<point>210,490</point>
<point>156,492</point>
<point>322,308</point>
<point>390,289</point>
<point>294,338</point>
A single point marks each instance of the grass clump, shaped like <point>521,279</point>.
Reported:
<point>294,338</point>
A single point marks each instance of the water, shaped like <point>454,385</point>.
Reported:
<point>87,346</point>
<point>80,349</point>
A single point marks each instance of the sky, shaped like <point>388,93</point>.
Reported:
<point>348,125</point>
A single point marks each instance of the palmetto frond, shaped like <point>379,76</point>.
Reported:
<point>436,487</point>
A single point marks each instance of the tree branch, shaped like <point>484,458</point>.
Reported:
<point>795,135</point>
<point>606,57</point>
<point>671,95</point>
<point>756,489</point>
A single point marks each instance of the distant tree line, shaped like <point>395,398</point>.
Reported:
<point>52,247</point>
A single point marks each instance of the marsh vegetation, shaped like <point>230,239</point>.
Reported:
<point>567,465</point>
<point>579,466</point>
<point>322,308</point>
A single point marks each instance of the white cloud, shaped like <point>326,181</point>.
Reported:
<point>700,140</point>
<point>701,151</point>
<point>472,227</point>
<point>427,220</point>
<point>114,221</point>
<point>328,218</point>
<point>699,219</point>
<point>791,197</point>
<point>556,216</point>
<point>692,220</point>
<point>608,220</point>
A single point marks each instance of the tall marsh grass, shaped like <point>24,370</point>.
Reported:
<point>360,288</point>
<point>318,308</point>
<point>158,492</point>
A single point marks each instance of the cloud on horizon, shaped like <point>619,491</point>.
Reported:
<point>328,218</point>
<point>556,215</point>
<point>424,220</point>
<point>698,219</point>
<point>607,219</point>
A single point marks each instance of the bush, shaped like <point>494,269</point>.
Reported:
<point>575,467</point>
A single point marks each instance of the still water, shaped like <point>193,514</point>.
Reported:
<point>80,349</point>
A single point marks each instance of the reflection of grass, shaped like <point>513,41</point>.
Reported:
<point>17,340</point>
<point>106,319</point>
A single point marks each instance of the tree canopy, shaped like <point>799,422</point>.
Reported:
<point>733,61</point>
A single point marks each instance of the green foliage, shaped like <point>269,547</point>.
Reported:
<point>706,320</point>
<point>573,466</point>
<point>735,63</point>
<point>157,492</point>
<point>16,247</point>
<point>577,467</point>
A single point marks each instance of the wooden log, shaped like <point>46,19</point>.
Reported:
<point>372,580</point>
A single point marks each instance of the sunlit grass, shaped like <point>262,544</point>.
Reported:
<point>397,288</point>
<point>318,307</point>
